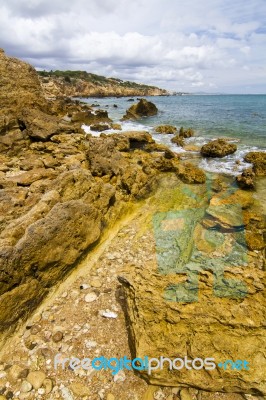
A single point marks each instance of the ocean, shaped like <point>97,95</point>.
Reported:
<point>241,118</point>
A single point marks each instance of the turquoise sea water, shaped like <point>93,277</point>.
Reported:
<point>239,117</point>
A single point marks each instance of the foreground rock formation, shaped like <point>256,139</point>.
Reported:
<point>202,294</point>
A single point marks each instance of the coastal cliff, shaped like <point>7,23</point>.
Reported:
<point>84,84</point>
<point>64,198</point>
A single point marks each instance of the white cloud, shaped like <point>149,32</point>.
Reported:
<point>211,44</point>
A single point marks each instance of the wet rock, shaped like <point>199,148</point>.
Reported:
<point>246,179</point>
<point>100,127</point>
<point>36,379</point>
<point>258,159</point>
<point>186,133</point>
<point>189,173</point>
<point>178,140</point>
<point>116,127</point>
<point>218,148</point>
<point>167,129</point>
<point>143,108</point>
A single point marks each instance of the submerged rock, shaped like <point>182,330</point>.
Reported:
<point>178,140</point>
<point>143,108</point>
<point>167,129</point>
<point>186,133</point>
<point>218,148</point>
<point>246,179</point>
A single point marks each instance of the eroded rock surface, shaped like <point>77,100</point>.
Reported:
<point>218,148</point>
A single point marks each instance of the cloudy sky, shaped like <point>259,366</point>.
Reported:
<point>186,45</point>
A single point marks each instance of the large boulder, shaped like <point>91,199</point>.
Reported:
<point>143,108</point>
<point>258,159</point>
<point>20,89</point>
<point>39,125</point>
<point>218,148</point>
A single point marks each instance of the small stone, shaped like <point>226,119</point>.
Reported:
<point>185,395</point>
<point>25,387</point>
<point>79,389</point>
<point>90,344</point>
<point>35,329</point>
<point>66,394</point>
<point>175,390</point>
<point>47,353</point>
<point>48,385</point>
<point>90,297</point>
<point>110,396</point>
<point>159,395</point>
<point>57,336</point>
<point>120,376</point>
<point>24,373</point>
<point>64,295</point>
<point>41,391</point>
<point>84,286</point>
<point>96,283</point>
<point>108,314</point>
<point>14,372</point>
<point>36,378</point>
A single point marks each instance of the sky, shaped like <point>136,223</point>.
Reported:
<point>181,45</point>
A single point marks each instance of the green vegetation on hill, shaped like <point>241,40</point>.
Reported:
<point>72,76</point>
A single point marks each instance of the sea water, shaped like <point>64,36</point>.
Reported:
<point>239,118</point>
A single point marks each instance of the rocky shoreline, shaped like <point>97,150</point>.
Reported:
<point>62,192</point>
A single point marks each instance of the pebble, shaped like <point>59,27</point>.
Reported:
<point>90,344</point>
<point>107,314</point>
<point>90,297</point>
<point>66,394</point>
<point>120,376</point>
<point>185,395</point>
<point>159,395</point>
<point>110,396</point>
<point>79,389</point>
<point>57,336</point>
<point>14,372</point>
<point>64,295</point>
<point>96,283</point>
<point>25,387</point>
<point>36,378</point>
<point>84,286</point>
<point>48,385</point>
<point>41,391</point>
